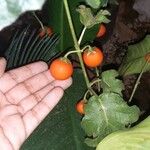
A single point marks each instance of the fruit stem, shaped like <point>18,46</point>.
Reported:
<point>95,81</point>
<point>138,81</point>
<point>71,52</point>
<point>85,95</point>
<point>41,24</point>
<point>81,36</point>
<point>87,46</point>
<point>77,46</point>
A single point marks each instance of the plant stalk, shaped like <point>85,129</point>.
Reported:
<point>76,43</point>
<point>138,81</point>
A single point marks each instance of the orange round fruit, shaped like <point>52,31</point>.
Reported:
<point>80,106</point>
<point>46,31</point>
<point>101,31</point>
<point>61,69</point>
<point>93,58</point>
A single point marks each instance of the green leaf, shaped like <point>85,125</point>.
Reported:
<point>11,9</point>
<point>135,58</point>
<point>86,16</point>
<point>101,16</point>
<point>61,130</point>
<point>104,3</point>
<point>94,3</point>
<point>110,83</point>
<point>136,138</point>
<point>27,47</point>
<point>89,20</point>
<point>106,114</point>
<point>58,21</point>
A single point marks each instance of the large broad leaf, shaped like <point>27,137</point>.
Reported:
<point>58,21</point>
<point>11,9</point>
<point>135,58</point>
<point>106,114</point>
<point>27,46</point>
<point>61,130</point>
<point>136,138</point>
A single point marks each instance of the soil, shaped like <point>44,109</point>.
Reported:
<point>130,23</point>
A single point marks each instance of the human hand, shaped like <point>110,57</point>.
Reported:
<point>27,95</point>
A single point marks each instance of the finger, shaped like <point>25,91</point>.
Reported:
<point>39,112</point>
<point>2,65</point>
<point>62,83</point>
<point>15,76</point>
<point>29,87</point>
<point>32,100</point>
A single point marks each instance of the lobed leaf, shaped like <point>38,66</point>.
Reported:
<point>86,16</point>
<point>110,83</point>
<point>105,114</point>
<point>101,16</point>
<point>89,20</point>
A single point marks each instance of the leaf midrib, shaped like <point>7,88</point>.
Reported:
<point>104,112</point>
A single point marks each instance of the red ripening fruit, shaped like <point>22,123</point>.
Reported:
<point>46,30</point>
<point>80,106</point>
<point>101,31</point>
<point>147,57</point>
<point>61,68</point>
<point>93,58</point>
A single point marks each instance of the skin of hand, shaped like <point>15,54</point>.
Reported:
<point>27,95</point>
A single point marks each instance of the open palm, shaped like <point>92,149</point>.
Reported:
<point>27,95</point>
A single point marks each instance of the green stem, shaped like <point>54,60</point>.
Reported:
<point>85,47</point>
<point>91,93</point>
<point>85,95</point>
<point>95,81</point>
<point>76,45</point>
<point>41,24</point>
<point>138,81</point>
<point>71,52</point>
<point>81,36</point>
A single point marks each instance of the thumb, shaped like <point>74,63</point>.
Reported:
<point>2,65</point>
